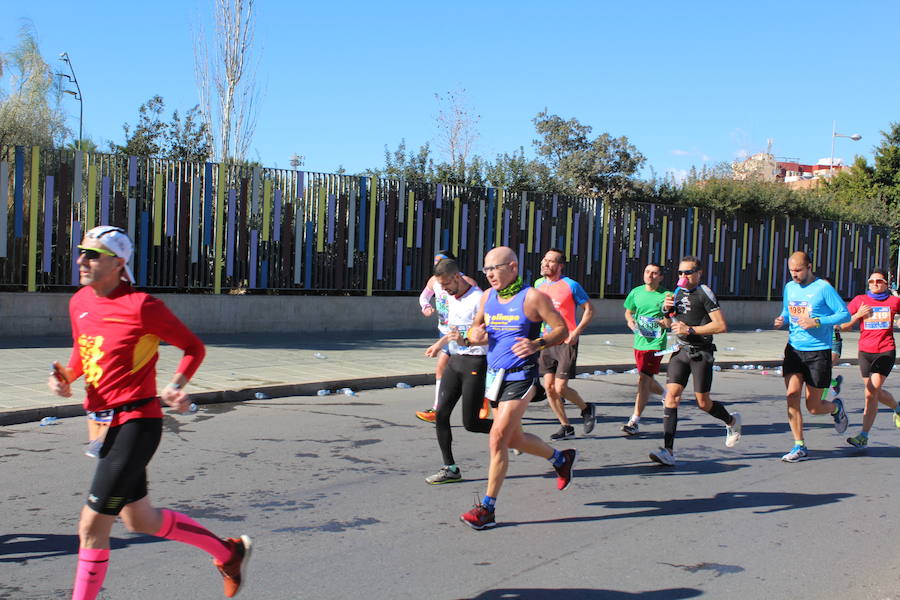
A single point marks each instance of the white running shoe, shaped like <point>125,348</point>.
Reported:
<point>663,457</point>
<point>796,454</point>
<point>733,431</point>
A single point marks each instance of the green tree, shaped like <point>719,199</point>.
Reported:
<point>30,112</point>
<point>585,166</point>
<point>146,139</point>
<point>404,164</point>
<point>87,145</point>
<point>887,164</point>
<point>188,139</point>
<point>179,139</point>
<point>517,173</point>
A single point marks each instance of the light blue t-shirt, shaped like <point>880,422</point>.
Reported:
<point>818,300</point>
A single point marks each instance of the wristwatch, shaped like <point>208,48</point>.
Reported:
<point>541,343</point>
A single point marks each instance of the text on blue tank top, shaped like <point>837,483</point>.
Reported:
<point>505,322</point>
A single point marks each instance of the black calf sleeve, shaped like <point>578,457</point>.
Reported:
<point>718,411</point>
<point>670,425</point>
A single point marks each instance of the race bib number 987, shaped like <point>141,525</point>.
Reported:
<point>798,309</point>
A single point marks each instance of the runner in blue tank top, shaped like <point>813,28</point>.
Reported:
<point>508,322</point>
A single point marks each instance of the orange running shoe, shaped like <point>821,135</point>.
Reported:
<point>429,416</point>
<point>234,570</point>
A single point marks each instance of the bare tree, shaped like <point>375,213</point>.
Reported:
<point>457,126</point>
<point>227,83</point>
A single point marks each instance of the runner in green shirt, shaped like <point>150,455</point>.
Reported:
<point>644,315</point>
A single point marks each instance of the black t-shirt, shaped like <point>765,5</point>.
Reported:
<point>693,308</point>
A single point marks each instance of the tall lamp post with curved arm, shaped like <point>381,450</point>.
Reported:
<point>78,95</point>
<point>855,137</point>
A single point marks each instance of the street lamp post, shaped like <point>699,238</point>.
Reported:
<point>78,95</point>
<point>855,137</point>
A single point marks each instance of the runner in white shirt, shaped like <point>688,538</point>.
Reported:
<point>465,372</point>
<point>434,290</point>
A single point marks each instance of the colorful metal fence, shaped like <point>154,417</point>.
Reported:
<point>211,227</point>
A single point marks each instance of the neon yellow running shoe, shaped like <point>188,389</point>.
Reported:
<point>897,420</point>
<point>860,441</point>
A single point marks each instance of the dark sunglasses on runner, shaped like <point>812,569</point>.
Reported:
<point>690,272</point>
<point>93,253</point>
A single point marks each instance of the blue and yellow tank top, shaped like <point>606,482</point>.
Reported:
<point>505,321</point>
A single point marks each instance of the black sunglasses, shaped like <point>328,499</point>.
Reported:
<point>691,272</point>
<point>93,253</point>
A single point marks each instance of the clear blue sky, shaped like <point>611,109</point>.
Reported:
<point>687,83</point>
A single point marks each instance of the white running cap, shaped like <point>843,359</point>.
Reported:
<point>116,240</point>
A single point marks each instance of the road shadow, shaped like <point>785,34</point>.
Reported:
<point>585,594</point>
<point>766,502</point>
<point>682,467</point>
<point>20,547</point>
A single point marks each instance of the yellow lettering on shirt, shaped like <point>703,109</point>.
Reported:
<point>90,350</point>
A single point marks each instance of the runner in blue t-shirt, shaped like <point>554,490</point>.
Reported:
<point>812,308</point>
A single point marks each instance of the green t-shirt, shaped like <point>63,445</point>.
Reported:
<point>646,306</point>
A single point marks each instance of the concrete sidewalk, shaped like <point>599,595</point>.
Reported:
<point>241,366</point>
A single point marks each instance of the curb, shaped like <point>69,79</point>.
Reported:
<point>29,415</point>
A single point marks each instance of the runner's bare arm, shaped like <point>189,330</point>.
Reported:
<point>717,325</point>
<point>586,318</point>
<point>629,320</point>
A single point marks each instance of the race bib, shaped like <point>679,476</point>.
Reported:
<point>442,309</point>
<point>648,327</point>
<point>492,383</point>
<point>797,309</point>
<point>879,319</point>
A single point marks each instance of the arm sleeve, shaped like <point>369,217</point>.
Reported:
<point>161,322</point>
<point>425,296</point>
<point>840,314</point>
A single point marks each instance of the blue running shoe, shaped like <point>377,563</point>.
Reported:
<point>840,417</point>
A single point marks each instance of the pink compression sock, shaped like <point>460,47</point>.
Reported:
<point>91,572</point>
<point>182,528</point>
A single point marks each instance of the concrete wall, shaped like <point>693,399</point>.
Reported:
<point>44,314</point>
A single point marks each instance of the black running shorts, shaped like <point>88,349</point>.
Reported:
<point>121,475</point>
<point>516,390</point>
<point>813,365</point>
<point>692,362</point>
<point>876,362</point>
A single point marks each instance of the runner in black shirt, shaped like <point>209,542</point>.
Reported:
<point>695,316</point>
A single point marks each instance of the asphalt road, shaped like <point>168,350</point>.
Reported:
<point>332,490</point>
